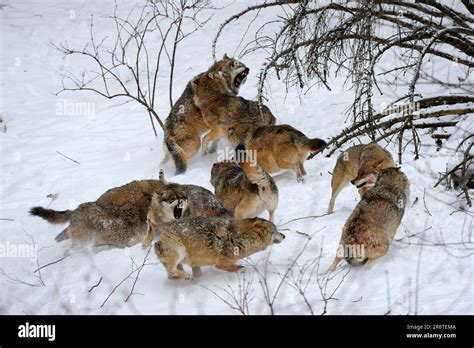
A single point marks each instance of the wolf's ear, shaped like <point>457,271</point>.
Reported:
<point>379,165</point>
<point>162,177</point>
<point>194,84</point>
<point>225,56</point>
<point>222,75</point>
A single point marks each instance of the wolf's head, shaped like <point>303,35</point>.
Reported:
<point>365,180</point>
<point>237,133</point>
<point>262,231</point>
<point>233,72</point>
<point>167,204</point>
<point>220,170</point>
<point>367,175</point>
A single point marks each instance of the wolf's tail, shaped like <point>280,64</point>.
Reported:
<point>52,216</point>
<point>315,146</point>
<point>178,154</point>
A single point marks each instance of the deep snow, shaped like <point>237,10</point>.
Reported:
<point>115,145</point>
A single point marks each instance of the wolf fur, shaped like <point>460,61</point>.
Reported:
<point>374,222</point>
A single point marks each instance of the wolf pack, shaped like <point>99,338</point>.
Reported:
<point>192,226</point>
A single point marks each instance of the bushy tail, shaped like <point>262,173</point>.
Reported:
<point>315,146</point>
<point>177,152</point>
<point>52,216</point>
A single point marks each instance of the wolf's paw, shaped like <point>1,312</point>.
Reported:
<point>300,179</point>
<point>180,275</point>
<point>187,276</point>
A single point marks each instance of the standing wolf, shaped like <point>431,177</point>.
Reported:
<point>244,188</point>
<point>174,201</point>
<point>118,217</point>
<point>221,108</point>
<point>277,147</point>
<point>124,215</point>
<point>185,125</point>
<point>359,165</point>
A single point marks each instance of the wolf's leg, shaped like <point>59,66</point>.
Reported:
<point>338,181</point>
<point>229,267</point>
<point>302,170</point>
<point>184,147</point>
<point>209,137</point>
<point>299,175</point>
<point>171,255</point>
<point>334,264</point>
<point>197,272</point>
<point>271,215</point>
<point>148,239</point>
<point>166,153</point>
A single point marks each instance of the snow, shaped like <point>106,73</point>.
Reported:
<point>115,145</point>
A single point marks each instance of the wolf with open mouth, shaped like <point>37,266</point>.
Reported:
<point>175,201</point>
<point>215,96</point>
<point>121,216</point>
<point>185,125</point>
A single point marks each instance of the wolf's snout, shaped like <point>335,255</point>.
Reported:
<point>278,237</point>
<point>246,71</point>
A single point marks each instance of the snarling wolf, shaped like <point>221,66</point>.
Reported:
<point>201,241</point>
<point>175,201</point>
<point>359,165</point>
<point>185,125</point>
<point>278,147</point>
<point>243,187</point>
<point>221,108</point>
<point>374,222</point>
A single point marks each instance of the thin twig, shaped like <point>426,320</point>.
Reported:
<point>69,158</point>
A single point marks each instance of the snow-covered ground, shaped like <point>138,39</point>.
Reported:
<point>115,145</point>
